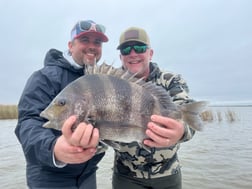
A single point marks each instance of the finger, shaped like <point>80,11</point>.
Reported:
<point>158,130</point>
<point>155,138</point>
<point>152,143</point>
<point>164,121</point>
<point>80,157</point>
<point>79,133</point>
<point>95,138</point>
<point>67,127</point>
<point>63,146</point>
<point>75,149</point>
<point>84,156</point>
<point>62,149</point>
<point>86,135</point>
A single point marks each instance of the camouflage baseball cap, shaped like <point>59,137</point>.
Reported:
<point>134,34</point>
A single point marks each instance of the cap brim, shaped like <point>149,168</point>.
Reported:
<point>100,35</point>
<point>131,40</point>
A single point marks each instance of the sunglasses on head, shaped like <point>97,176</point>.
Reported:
<point>137,48</point>
<point>86,26</point>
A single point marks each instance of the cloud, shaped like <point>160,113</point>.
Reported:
<point>209,42</point>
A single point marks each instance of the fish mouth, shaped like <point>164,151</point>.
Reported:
<point>47,124</point>
<point>50,123</point>
<point>43,114</point>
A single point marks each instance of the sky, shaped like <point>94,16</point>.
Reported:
<point>208,42</point>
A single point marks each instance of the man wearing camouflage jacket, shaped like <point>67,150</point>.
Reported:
<point>134,167</point>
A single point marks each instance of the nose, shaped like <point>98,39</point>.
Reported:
<point>92,45</point>
<point>132,52</point>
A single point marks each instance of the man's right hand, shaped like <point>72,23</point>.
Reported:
<point>76,146</point>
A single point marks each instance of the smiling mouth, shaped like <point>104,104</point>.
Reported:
<point>134,62</point>
<point>90,54</point>
<point>90,58</point>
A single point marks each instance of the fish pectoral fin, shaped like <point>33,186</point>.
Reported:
<point>102,147</point>
<point>112,144</point>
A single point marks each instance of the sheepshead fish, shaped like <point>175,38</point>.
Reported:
<point>117,103</point>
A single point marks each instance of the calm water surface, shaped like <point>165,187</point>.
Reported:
<point>220,157</point>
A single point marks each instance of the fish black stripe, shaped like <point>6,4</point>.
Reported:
<point>124,88</point>
<point>142,104</point>
<point>97,83</point>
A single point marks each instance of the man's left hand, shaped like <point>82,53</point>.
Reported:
<point>163,131</point>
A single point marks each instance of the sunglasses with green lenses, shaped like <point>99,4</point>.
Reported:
<point>137,48</point>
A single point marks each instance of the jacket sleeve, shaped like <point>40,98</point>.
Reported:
<point>179,92</point>
<point>37,142</point>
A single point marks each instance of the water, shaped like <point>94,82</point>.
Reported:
<point>219,157</point>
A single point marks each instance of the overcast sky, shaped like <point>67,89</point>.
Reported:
<point>208,42</point>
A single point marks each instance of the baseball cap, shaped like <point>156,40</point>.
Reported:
<point>134,34</point>
<point>85,27</point>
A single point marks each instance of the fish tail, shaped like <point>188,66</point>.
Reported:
<point>191,114</point>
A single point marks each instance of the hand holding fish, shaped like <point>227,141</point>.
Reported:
<point>167,135</point>
<point>84,135</point>
<point>78,146</point>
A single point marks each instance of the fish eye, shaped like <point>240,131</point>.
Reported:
<point>61,102</point>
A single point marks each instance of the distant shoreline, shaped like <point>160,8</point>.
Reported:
<point>11,111</point>
<point>231,105</point>
<point>8,112</point>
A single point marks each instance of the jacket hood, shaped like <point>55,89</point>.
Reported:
<point>55,57</point>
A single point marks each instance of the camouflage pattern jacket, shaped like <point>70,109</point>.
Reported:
<point>134,161</point>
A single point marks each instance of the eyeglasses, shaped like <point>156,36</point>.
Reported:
<point>86,26</point>
<point>137,48</point>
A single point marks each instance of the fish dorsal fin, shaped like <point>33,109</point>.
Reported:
<point>157,91</point>
<point>122,74</point>
<point>99,69</point>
